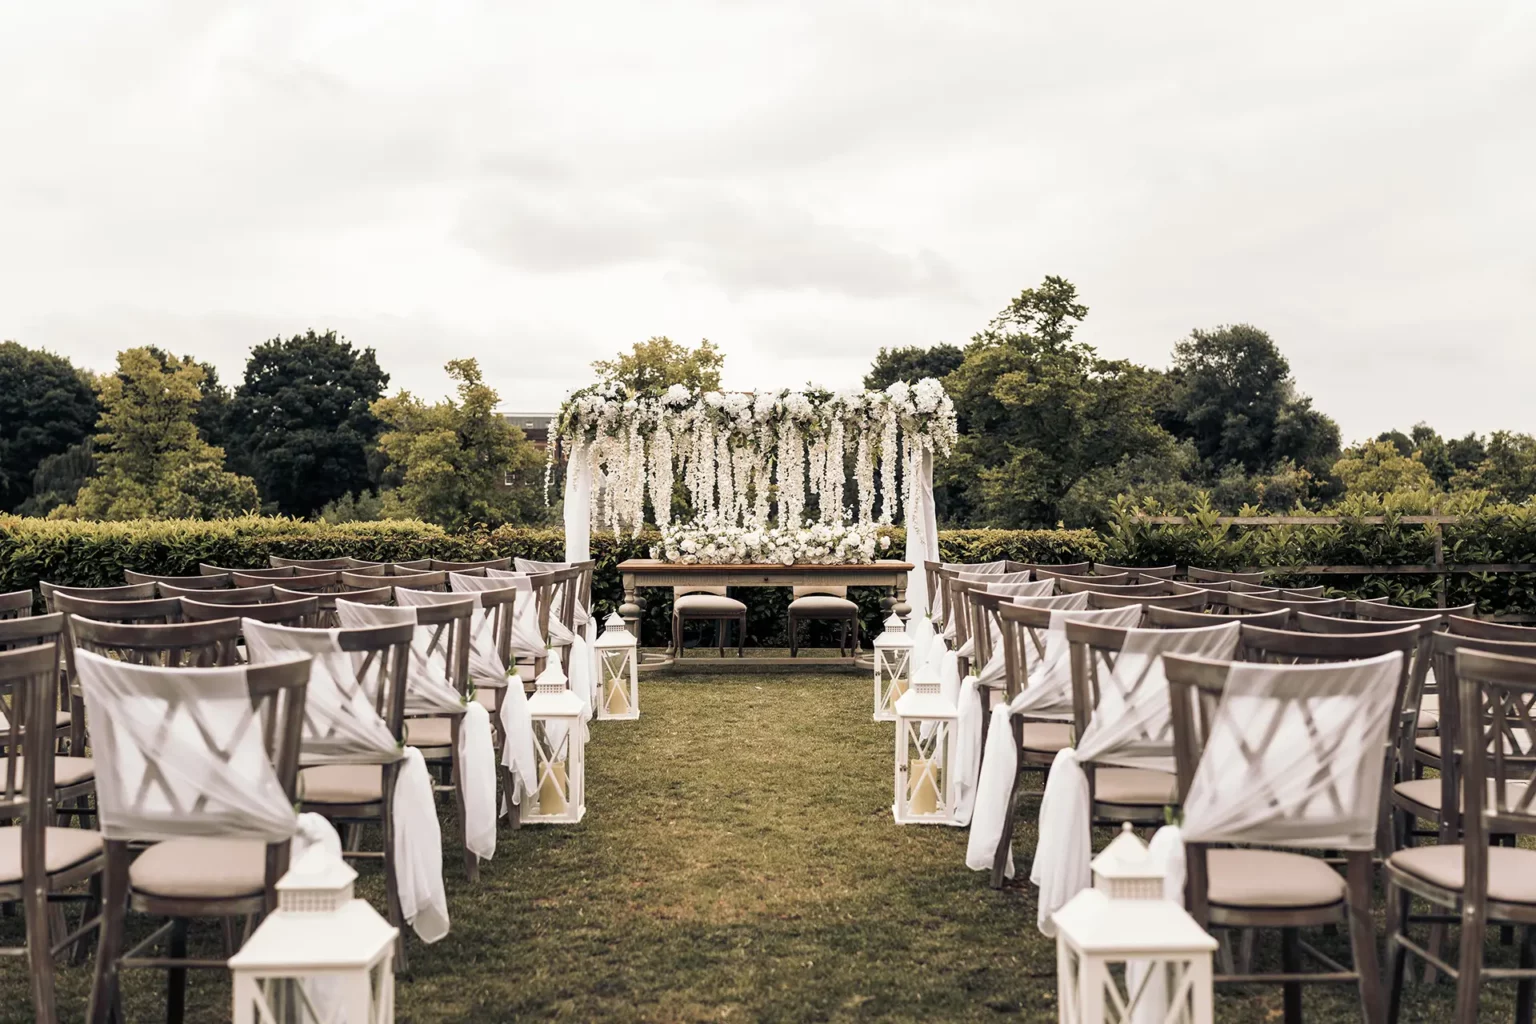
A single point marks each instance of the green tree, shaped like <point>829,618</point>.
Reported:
<point>46,407</point>
<point>1377,467</point>
<point>151,460</point>
<point>912,364</point>
<point>212,416</point>
<point>58,479</point>
<point>656,364</point>
<point>458,463</point>
<point>1230,391</point>
<point>301,421</point>
<point>1039,412</point>
<point>1507,470</point>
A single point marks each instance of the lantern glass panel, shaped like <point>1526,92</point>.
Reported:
<point>615,665</point>
<point>552,741</point>
<point>926,787</point>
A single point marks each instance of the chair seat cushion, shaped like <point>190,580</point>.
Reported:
<point>1137,787</point>
<point>1426,792</point>
<point>1047,737</point>
<point>704,605</point>
<point>1271,878</point>
<point>1511,870</point>
<point>65,848</point>
<point>823,604</point>
<point>1430,746</point>
<point>67,771</point>
<point>201,868</point>
<point>342,784</point>
<point>429,732</point>
<point>1429,720</point>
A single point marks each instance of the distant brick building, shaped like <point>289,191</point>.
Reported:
<point>534,425</point>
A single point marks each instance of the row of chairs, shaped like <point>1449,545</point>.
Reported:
<point>300,665</point>
<point>1444,717</point>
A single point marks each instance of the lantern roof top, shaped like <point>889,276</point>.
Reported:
<point>894,634</point>
<point>1093,923</point>
<point>353,937</point>
<point>925,699</point>
<point>552,703</point>
<point>1127,857</point>
<point>615,633</point>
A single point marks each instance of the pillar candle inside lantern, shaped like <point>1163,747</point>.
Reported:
<point>923,791</point>
<point>618,697</point>
<point>552,790</point>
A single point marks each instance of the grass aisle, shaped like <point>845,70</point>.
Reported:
<point>738,862</point>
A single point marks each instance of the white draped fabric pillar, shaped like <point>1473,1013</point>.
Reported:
<point>922,530</point>
<point>578,505</point>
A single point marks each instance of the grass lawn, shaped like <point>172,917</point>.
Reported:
<point>738,862</point>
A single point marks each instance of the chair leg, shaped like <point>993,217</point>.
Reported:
<point>1398,904</point>
<point>176,977</point>
<point>1005,840</point>
<point>109,940</point>
<point>741,636</point>
<point>1469,981</point>
<point>794,636</point>
<point>40,946</point>
<point>1290,964</point>
<point>1525,989</point>
<point>1362,938</point>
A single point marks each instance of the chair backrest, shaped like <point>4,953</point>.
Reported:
<point>355,707</point>
<point>31,631</point>
<point>1244,587</point>
<point>1156,588</point>
<point>372,569</point>
<point>28,676</point>
<point>1193,601</point>
<point>1200,575</point>
<point>819,591</point>
<point>319,564</point>
<point>1037,657</point>
<point>527,637</point>
<point>1242,602</point>
<point>438,670</point>
<point>416,581</point>
<point>441,565</point>
<point>1160,617</point>
<point>447,618</point>
<point>206,644</point>
<point>325,602</point>
<point>218,581</point>
<point>1064,578</point>
<point>320,582</point>
<point>158,609</point>
<point>1138,574</point>
<point>1286,755</point>
<point>1498,749</point>
<point>232,596</point>
<point>1378,612</point>
<point>130,592</point>
<point>1465,625</point>
<point>271,573</point>
<point>197,752</point>
<point>1313,592</point>
<point>301,611</point>
<point>696,588</point>
<point>1041,570</point>
<point>16,605</point>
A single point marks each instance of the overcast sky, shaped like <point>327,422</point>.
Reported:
<point>540,185</point>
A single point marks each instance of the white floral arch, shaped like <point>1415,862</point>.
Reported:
<point>746,457</point>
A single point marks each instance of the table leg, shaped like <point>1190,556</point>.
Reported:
<point>629,611</point>
<point>901,607</point>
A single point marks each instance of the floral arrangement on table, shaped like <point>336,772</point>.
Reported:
<point>741,453</point>
<point>712,540</point>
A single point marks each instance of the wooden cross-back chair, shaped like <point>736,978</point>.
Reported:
<point>443,565</point>
<point>31,631</point>
<point>204,644</point>
<point>1465,625</point>
<point>1237,601</point>
<point>273,572</point>
<point>300,611</point>
<point>1315,593</point>
<point>216,581</point>
<point>1037,740</point>
<point>353,795</point>
<point>1198,575</point>
<point>329,581</point>
<point>1037,568</point>
<point>434,581</point>
<point>1160,617</point>
<point>16,605</point>
<point>1154,588</point>
<point>1138,574</point>
<point>43,860</point>
<point>1474,881</point>
<point>233,596</point>
<point>1063,579</point>
<point>1189,601</point>
<point>556,594</point>
<point>1244,587</point>
<point>1243,887</point>
<point>1377,611</point>
<point>198,874</point>
<point>1137,795</point>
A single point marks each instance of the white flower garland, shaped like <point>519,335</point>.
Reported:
<point>712,540</point>
<point>736,451</point>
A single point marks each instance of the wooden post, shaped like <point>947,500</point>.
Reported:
<point>1440,563</point>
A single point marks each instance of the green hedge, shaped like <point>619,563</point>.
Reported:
<point>95,555</point>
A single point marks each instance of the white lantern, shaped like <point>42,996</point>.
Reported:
<point>559,742</point>
<point>1125,920</point>
<point>618,671</point>
<point>925,756</point>
<point>893,667</point>
<point>321,956</point>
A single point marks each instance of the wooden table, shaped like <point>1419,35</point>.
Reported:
<point>640,573</point>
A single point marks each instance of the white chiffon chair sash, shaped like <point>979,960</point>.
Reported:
<point>419,850</point>
<point>179,752</point>
<point>527,639</point>
<point>427,689</point>
<point>341,719</point>
<point>1130,727</point>
<point>583,600</point>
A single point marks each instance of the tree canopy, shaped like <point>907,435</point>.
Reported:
<point>300,423</point>
<point>656,364</point>
<point>911,364</point>
<point>151,461</point>
<point>457,463</point>
<point>47,406</point>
